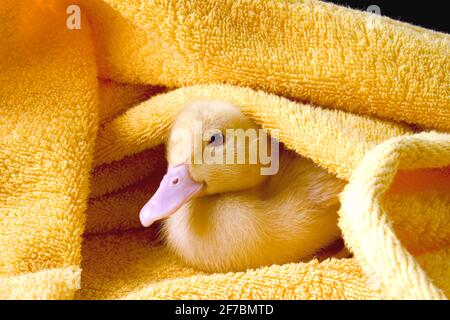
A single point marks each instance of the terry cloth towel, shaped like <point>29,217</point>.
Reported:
<point>85,108</point>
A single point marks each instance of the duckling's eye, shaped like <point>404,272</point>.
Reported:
<point>174,181</point>
<point>216,139</point>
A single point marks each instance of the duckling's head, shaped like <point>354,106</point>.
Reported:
<point>212,148</point>
<point>209,137</point>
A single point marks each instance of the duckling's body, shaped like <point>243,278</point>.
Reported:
<point>281,218</point>
<point>288,217</point>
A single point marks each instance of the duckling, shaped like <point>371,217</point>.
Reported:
<point>222,217</point>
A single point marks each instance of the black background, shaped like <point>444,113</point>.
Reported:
<point>428,14</point>
<point>165,310</point>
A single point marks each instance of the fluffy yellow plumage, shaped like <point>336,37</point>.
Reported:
<point>245,219</point>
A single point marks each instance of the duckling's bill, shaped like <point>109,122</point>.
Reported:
<point>176,188</point>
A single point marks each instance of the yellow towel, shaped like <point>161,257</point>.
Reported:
<point>80,107</point>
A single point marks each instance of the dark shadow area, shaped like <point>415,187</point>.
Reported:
<point>428,14</point>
